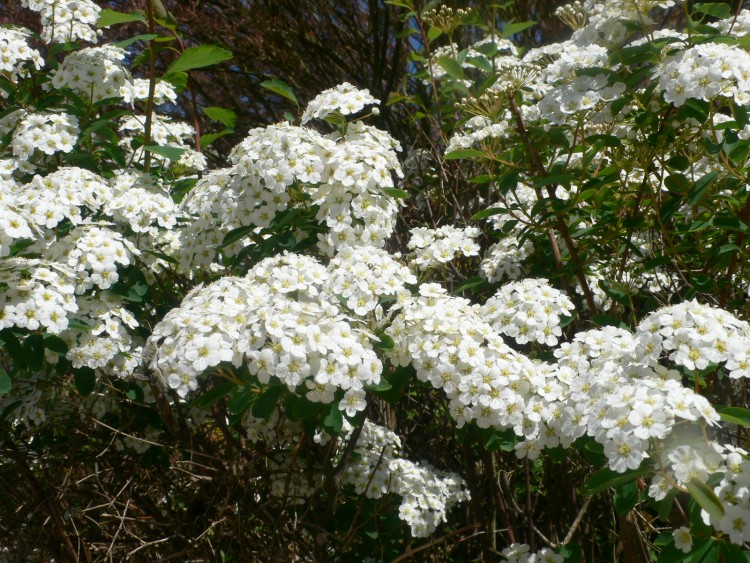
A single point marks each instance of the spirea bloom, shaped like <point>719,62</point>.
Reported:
<point>343,99</point>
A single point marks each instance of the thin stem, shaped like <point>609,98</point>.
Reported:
<point>151,85</point>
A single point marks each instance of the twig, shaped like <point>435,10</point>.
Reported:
<point>411,551</point>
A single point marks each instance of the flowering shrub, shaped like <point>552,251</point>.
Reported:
<point>246,353</point>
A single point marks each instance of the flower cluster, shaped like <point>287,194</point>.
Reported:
<point>101,339</point>
<point>505,258</point>
<point>68,193</point>
<point>451,346</point>
<point>15,54</point>
<point>343,99</point>
<point>521,553</point>
<point>639,400</point>
<point>345,177</point>
<point>95,73</point>
<point>426,493</point>
<point>476,131</point>
<point>68,20</point>
<point>365,276</point>
<point>280,323</point>
<point>704,72</point>
<point>697,336</point>
<point>164,133</point>
<point>36,294</point>
<point>529,310</point>
<point>433,247</point>
<point>93,252</point>
<point>138,202</point>
<point>44,132</point>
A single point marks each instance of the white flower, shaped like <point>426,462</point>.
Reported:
<point>683,540</point>
<point>353,402</point>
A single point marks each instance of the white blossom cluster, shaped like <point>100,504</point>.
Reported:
<point>344,176</point>
<point>163,92</point>
<point>164,133</point>
<point>623,398</point>
<point>44,132</point>
<point>343,99</point>
<point>95,74</point>
<point>93,252</point>
<point>704,72</point>
<point>15,54</point>
<point>432,247</point>
<point>352,200</point>
<point>36,294</point>
<point>374,469</point>
<point>14,222</point>
<point>477,130</point>
<point>452,347</point>
<point>63,293</point>
<point>505,258</point>
<point>529,310</point>
<point>427,494</point>
<point>68,193</point>
<point>280,323</point>
<point>364,276</point>
<point>138,201</point>
<point>567,94</point>
<point>697,336</point>
<point>103,342</point>
<point>521,553</point>
<point>66,20</point>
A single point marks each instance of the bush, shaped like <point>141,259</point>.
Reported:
<point>524,339</point>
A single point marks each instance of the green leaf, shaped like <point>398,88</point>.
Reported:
<point>236,234</point>
<point>198,57</point>
<point>731,553</point>
<point>281,88</point>
<point>464,153</point>
<point>214,395</point>
<point>720,11</point>
<point>264,405</point>
<point>616,290</point>
<point>488,213</point>
<point>224,116</point>
<point>85,379</point>
<point>606,478</point>
<point>211,137</point>
<point>304,408</point>
<point>513,28</point>
<point>734,415</point>
<point>730,224</point>
<point>474,283</point>
<point>178,80</point>
<point>33,349</point>
<point>451,66</point>
<point>240,399</point>
<point>334,420</point>
<point>55,344</point>
<point>395,192</point>
<point>433,33</point>
<point>706,498</point>
<point>146,37</point>
<point>385,342</point>
<point>171,153</point>
<point>5,382</point>
<point>109,17</point>
<point>701,185</point>
<point>399,379</point>
<point>626,497</point>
